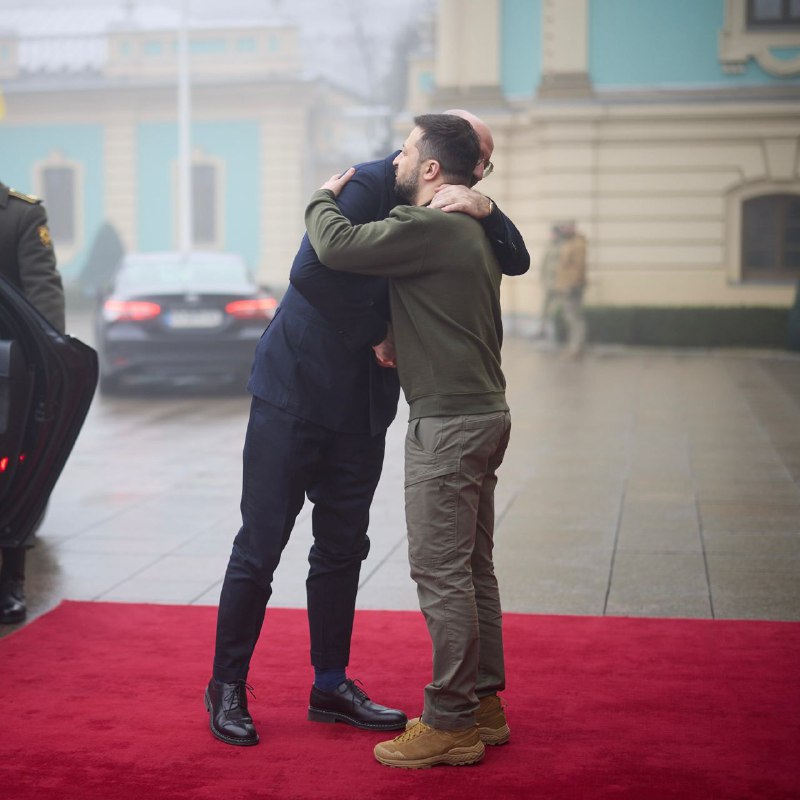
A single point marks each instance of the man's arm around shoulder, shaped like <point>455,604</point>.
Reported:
<point>359,320</point>
<point>392,247</point>
<point>507,242</point>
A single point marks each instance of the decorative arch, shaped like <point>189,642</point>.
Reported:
<point>763,232</point>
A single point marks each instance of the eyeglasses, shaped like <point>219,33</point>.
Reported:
<point>488,168</point>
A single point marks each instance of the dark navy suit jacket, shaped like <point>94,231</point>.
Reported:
<point>315,360</point>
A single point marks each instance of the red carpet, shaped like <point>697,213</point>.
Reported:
<point>104,701</point>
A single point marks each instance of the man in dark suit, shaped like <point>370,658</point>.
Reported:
<point>321,405</point>
<point>28,261</point>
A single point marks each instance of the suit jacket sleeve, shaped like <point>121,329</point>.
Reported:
<point>359,317</point>
<point>41,282</point>
<point>394,247</point>
<point>507,243</point>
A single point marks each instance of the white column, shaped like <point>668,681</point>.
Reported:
<point>468,52</point>
<point>284,186</point>
<point>121,185</point>
<point>565,49</point>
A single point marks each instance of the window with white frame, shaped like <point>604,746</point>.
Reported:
<point>59,181</point>
<point>207,182</point>
<point>59,190</point>
<point>774,14</point>
<point>205,200</point>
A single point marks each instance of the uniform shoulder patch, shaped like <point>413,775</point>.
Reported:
<point>44,236</point>
<point>28,198</point>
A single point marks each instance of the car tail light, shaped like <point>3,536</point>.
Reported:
<point>5,462</point>
<point>258,308</point>
<point>130,310</point>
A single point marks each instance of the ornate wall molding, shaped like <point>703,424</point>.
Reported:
<point>737,44</point>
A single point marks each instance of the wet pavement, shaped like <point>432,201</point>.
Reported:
<point>638,482</point>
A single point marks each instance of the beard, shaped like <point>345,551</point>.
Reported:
<point>406,188</point>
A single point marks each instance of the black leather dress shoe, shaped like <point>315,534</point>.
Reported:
<point>349,703</point>
<point>12,603</point>
<point>229,719</point>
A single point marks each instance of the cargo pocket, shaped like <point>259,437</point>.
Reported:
<point>431,488</point>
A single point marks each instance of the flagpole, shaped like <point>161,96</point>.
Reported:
<point>184,135</point>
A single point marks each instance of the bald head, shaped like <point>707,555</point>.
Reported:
<point>484,135</point>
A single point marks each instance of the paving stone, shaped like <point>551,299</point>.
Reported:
<point>638,482</point>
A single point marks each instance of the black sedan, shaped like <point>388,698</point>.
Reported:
<point>180,319</point>
<point>47,381</point>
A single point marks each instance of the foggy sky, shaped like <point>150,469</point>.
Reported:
<point>347,41</point>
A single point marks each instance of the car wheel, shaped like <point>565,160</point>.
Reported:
<point>108,384</point>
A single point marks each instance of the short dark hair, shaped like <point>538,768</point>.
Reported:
<point>452,141</point>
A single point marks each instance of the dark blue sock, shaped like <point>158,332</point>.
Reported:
<point>328,679</point>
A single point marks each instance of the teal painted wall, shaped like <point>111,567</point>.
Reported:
<point>236,145</point>
<point>23,146</point>
<point>521,50</point>
<point>632,43</point>
<point>647,43</point>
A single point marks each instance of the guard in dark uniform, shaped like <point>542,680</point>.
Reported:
<point>28,261</point>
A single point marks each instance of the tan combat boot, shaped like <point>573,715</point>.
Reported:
<point>421,746</point>
<point>490,719</point>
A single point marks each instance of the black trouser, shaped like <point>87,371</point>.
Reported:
<point>13,566</point>
<point>286,458</point>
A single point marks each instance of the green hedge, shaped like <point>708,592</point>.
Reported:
<point>703,326</point>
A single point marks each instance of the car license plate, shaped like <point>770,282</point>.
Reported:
<point>200,318</point>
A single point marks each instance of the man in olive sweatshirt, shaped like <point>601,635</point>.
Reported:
<point>445,301</point>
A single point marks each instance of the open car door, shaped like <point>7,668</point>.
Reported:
<point>47,381</point>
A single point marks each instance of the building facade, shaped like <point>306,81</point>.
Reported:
<point>89,122</point>
<point>668,130</point>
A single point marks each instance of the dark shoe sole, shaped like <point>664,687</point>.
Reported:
<point>221,736</point>
<point>320,715</point>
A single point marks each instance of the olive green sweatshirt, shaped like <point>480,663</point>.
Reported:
<point>445,295</point>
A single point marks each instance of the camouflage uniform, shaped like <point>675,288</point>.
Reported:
<point>564,281</point>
